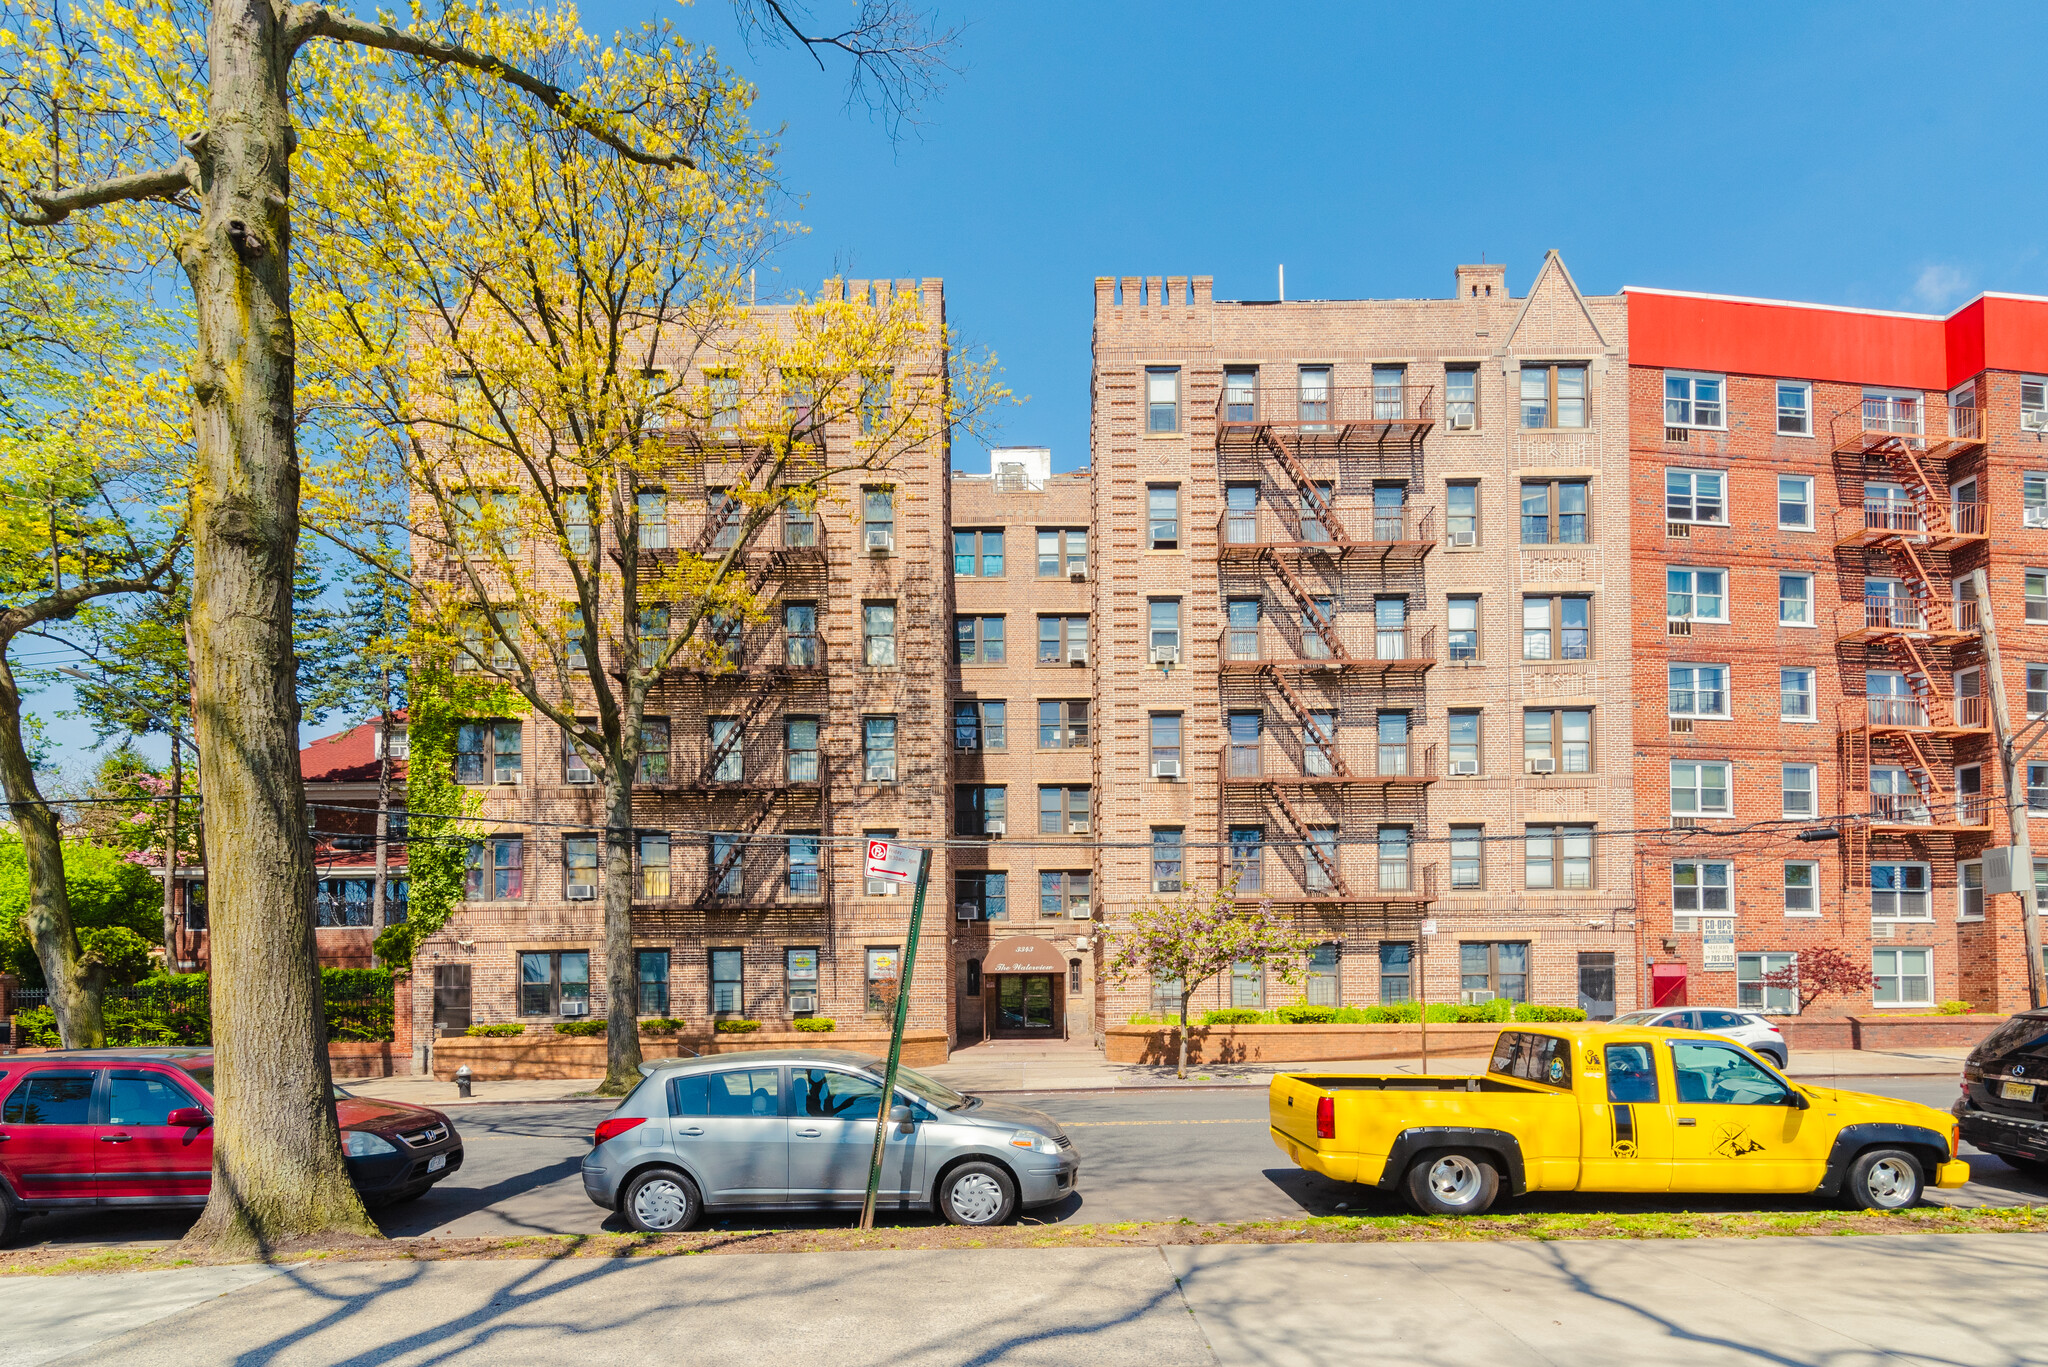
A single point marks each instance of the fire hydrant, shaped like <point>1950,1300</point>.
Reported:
<point>462,1081</point>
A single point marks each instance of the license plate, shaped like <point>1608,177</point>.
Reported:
<point>437,1162</point>
<point>2016,1091</point>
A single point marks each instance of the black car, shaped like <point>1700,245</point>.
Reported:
<point>2004,1105</point>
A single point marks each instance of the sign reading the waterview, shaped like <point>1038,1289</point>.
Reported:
<point>1717,944</point>
<point>892,861</point>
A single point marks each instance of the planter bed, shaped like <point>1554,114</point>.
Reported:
<point>540,1054</point>
<point>1209,1044</point>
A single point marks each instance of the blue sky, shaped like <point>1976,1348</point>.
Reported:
<point>1879,155</point>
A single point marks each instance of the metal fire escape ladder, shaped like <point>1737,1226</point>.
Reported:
<point>735,736</point>
<point>1305,484</point>
<point>750,823</point>
<point>1926,683</point>
<point>1926,766</point>
<point>1323,739</point>
<point>1934,609</point>
<point>1933,502</point>
<point>1301,832</point>
<point>1321,624</point>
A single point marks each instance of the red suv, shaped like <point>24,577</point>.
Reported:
<point>134,1127</point>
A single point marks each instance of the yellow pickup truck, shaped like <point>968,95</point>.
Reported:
<point>1610,1108</point>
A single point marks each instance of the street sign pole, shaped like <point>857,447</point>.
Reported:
<point>888,1099</point>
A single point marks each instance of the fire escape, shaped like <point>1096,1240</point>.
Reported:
<point>1899,537</point>
<point>1320,557</point>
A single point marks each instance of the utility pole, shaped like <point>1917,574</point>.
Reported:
<point>2010,759</point>
<point>888,1098</point>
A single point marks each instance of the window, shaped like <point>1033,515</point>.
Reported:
<point>1062,810</point>
<point>342,902</point>
<point>482,645</point>
<point>1699,789</point>
<point>1461,397</point>
<point>1162,507</point>
<point>980,640</point>
<point>1696,595</point>
<point>802,877</point>
<point>725,401</point>
<point>1394,845</point>
<point>878,512</point>
<point>1699,690</point>
<point>550,983</point>
<point>979,895</point>
<point>1557,628</point>
<point>1240,394</point>
<point>1495,969</point>
<point>652,507</point>
<point>1390,627</point>
<point>1062,552</point>
<point>1898,892</point>
<point>1065,894</point>
<point>878,634</point>
<point>1166,997</point>
<point>1314,507</point>
<point>1554,512</point>
<point>654,750</point>
<point>1795,600</point>
<point>1557,741</point>
<point>654,865</point>
<point>1319,860</point>
<point>878,746</point>
<point>980,725</point>
<point>978,555</point>
<point>1248,857</point>
<point>653,981</point>
<point>195,906</point>
<point>1397,961</point>
<point>800,635</point>
<point>1323,989</point>
<point>728,981</point>
<point>1699,888</point>
<point>883,967</point>
<point>1389,383</point>
<point>874,402</point>
<point>1165,740</point>
<point>1970,891</point>
<point>1162,398</point>
<point>1798,789</point>
<point>727,513</point>
<point>2037,792</point>
<point>1063,724</point>
<point>495,870</point>
<point>1795,503</point>
<point>1903,977</point>
<point>1723,1075</point>
<point>2037,595</point>
<point>1392,739</point>
<point>1314,398</point>
<point>579,863</point>
<point>1695,496</point>
<point>1468,858</point>
<point>727,750</point>
<point>1164,615</point>
<point>1248,984</point>
<point>2033,403</point>
<point>1463,728</point>
<point>2037,691</point>
<point>724,863</point>
<point>1461,514</point>
<point>800,740</point>
<point>1463,624</point>
<point>2034,499</point>
<point>1802,883</point>
<point>1166,858</point>
<point>1062,639</point>
<point>1753,994</point>
<point>487,752</point>
<point>134,1098</point>
<point>979,809</point>
<point>1693,401</point>
<point>1558,857</point>
<point>51,1099</point>
<point>1553,396</point>
<point>1795,694</point>
<point>1795,419</point>
<point>800,968</point>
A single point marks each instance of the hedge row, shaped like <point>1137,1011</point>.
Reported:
<point>175,1011</point>
<point>1499,1010</point>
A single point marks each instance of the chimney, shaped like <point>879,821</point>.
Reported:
<point>1481,282</point>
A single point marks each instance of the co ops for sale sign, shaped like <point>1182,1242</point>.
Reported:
<point>892,861</point>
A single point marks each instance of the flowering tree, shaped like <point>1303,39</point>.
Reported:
<point>1198,935</point>
<point>1820,972</point>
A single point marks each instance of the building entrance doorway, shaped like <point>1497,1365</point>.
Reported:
<point>1024,1003</point>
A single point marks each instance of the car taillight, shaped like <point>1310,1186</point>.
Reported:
<point>1955,1139</point>
<point>1326,1117</point>
<point>1774,1029</point>
<point>616,1126</point>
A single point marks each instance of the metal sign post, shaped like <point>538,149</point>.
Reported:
<point>887,860</point>
<point>1427,929</point>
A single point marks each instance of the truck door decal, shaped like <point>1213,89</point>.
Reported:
<point>1624,1132</point>
<point>1735,1141</point>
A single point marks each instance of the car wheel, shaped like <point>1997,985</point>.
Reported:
<point>1884,1179</point>
<point>977,1194</point>
<point>660,1201</point>
<point>1451,1182</point>
<point>1775,1058</point>
<point>10,1219</point>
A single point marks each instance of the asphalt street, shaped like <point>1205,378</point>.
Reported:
<point>1164,1155</point>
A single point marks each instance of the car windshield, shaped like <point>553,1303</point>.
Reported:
<point>202,1076</point>
<point>1637,1018</point>
<point>932,1090</point>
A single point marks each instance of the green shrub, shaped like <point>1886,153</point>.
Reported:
<point>815,1024</point>
<point>581,1028</point>
<point>737,1027</point>
<point>1232,1015</point>
<point>1140,1018</point>
<point>663,1025</point>
<point>1530,1011</point>
<point>495,1031</point>
<point>1301,1013</point>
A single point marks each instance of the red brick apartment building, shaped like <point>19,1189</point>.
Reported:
<point>1362,619</point>
<point>1812,488</point>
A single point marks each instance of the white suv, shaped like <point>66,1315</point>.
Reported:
<point>1744,1027</point>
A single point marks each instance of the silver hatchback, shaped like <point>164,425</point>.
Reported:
<point>794,1129</point>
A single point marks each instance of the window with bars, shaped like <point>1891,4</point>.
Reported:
<point>1698,690</point>
<point>728,980</point>
<point>800,739</point>
<point>802,870</point>
<point>651,979</point>
<point>1397,972</point>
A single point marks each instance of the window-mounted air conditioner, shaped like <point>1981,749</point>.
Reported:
<point>1166,655</point>
<point>582,892</point>
<point>574,772</point>
<point>2034,420</point>
<point>997,827</point>
<point>1166,768</point>
<point>1476,996</point>
<point>1077,655</point>
<point>1464,538</point>
<point>1881,930</point>
<point>1464,766</point>
<point>880,887</point>
<point>966,911</point>
<point>881,540</point>
<point>576,1008</point>
<point>1541,766</point>
<point>1077,826</point>
<point>1461,422</point>
<point>1080,911</point>
<point>803,1003</point>
<point>2034,517</point>
<point>504,776</point>
<point>1078,576</point>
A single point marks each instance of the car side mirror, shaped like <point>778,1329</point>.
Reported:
<point>189,1118</point>
<point>901,1115</point>
<point>1799,1102</point>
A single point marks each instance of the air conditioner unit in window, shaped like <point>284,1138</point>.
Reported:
<point>1166,655</point>
<point>1461,422</point>
<point>1080,911</point>
<point>2034,517</point>
<point>1882,930</point>
<point>574,772</point>
<point>576,1008</point>
<point>1166,768</point>
<point>880,887</point>
<point>966,911</point>
<point>1464,766</point>
<point>1464,538</point>
<point>996,827</point>
<point>1077,655</point>
<point>803,1003</point>
<point>881,540</point>
<point>582,892</point>
<point>1685,925</point>
<point>1479,996</point>
<point>1078,576</point>
<point>504,776</point>
<point>1077,825</point>
<point>1541,766</point>
<point>2034,420</point>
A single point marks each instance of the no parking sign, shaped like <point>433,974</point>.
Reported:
<point>892,861</point>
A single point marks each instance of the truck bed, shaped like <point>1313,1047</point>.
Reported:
<point>1404,1082</point>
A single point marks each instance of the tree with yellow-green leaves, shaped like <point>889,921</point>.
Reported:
<point>546,352</point>
<point>173,121</point>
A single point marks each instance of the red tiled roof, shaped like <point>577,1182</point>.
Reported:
<point>350,757</point>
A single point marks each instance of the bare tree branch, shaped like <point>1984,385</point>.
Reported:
<point>166,182</point>
<point>899,60</point>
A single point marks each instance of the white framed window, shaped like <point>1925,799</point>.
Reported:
<point>1797,784</point>
<point>1702,887</point>
<point>1802,887</point>
<point>2037,595</point>
<point>1795,694</point>
<point>1795,600</point>
<point>1795,408</point>
<point>1891,410</point>
<point>1795,503</point>
<point>1696,496</point>
<point>1699,690</point>
<point>2033,403</point>
<point>2037,691</point>
<point>1905,977</point>
<point>1162,398</point>
<point>1694,401</point>
<point>1696,595</point>
<point>1898,892</point>
<point>2037,789</point>
<point>1753,994</point>
<point>1970,891</point>
<point>1699,789</point>
<point>2034,499</point>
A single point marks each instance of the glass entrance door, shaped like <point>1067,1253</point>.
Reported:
<point>1024,1001</point>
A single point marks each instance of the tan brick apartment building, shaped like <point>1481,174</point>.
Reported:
<point>1361,613</point>
<point>758,785</point>
<point>1813,488</point>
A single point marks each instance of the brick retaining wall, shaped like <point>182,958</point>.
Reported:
<point>1889,1031</point>
<point>537,1055</point>
<point>1296,1043</point>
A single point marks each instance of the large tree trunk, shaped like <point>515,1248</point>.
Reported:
<point>621,972</point>
<point>76,985</point>
<point>278,1172</point>
<point>171,856</point>
<point>1180,1069</point>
